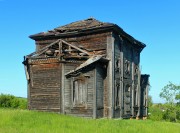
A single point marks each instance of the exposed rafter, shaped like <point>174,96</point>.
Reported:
<point>58,42</point>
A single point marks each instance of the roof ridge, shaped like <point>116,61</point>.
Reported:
<point>77,24</point>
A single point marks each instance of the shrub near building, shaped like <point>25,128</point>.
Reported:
<point>10,101</point>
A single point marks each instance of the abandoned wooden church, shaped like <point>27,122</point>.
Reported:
<point>87,68</point>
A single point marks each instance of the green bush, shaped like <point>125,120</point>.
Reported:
<point>178,113</point>
<point>165,112</point>
<point>10,101</point>
<point>170,114</point>
<point>155,113</point>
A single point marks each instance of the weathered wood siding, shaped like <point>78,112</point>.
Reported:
<point>106,88</point>
<point>117,77</point>
<point>126,69</point>
<point>93,42</point>
<point>99,91</point>
<point>143,98</point>
<point>144,95</point>
<point>110,76</point>
<point>131,79</point>
<point>90,42</point>
<point>44,91</point>
<point>84,111</point>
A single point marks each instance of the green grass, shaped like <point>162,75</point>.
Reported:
<point>24,121</point>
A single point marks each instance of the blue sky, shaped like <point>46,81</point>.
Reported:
<point>154,22</point>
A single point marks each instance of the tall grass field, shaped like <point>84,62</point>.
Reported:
<point>24,121</point>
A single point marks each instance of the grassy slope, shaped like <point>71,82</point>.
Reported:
<point>24,121</point>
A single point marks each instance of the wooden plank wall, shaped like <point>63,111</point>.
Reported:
<point>78,111</point>
<point>110,77</point>
<point>45,92</point>
<point>99,91</point>
<point>144,95</point>
<point>131,54</point>
<point>90,42</point>
<point>45,87</point>
<point>67,88</point>
<point>117,74</point>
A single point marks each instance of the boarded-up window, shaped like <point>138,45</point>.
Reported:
<point>79,91</point>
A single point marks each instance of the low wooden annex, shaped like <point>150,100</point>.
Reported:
<point>87,68</point>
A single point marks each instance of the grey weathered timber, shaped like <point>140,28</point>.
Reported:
<point>132,104</point>
<point>39,52</point>
<point>89,69</point>
<point>139,95</point>
<point>121,86</point>
<point>91,60</point>
<point>62,89</point>
<point>26,72</point>
<point>110,74</point>
<point>95,96</point>
<point>76,48</point>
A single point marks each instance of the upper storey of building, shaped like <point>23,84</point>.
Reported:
<point>86,27</point>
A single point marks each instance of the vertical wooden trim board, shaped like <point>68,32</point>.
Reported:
<point>122,85</point>
<point>132,100</point>
<point>62,89</point>
<point>94,95</point>
<point>110,75</point>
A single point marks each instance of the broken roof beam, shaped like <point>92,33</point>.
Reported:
<point>60,42</point>
<point>75,47</point>
<point>37,53</point>
<point>76,57</point>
